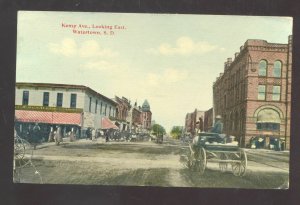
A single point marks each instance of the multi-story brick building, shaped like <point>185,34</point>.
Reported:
<point>122,110</point>
<point>194,122</point>
<point>188,123</point>
<point>253,94</point>
<point>60,104</point>
<point>208,120</point>
<point>135,118</point>
<point>146,116</point>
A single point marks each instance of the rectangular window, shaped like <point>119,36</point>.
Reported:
<point>261,92</point>
<point>96,106</point>
<point>276,93</point>
<point>46,99</point>
<point>59,100</point>
<point>268,126</point>
<point>101,108</point>
<point>90,105</point>
<point>73,100</point>
<point>105,110</point>
<point>25,97</point>
<point>109,110</point>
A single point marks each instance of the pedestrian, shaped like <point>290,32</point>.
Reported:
<point>51,135</point>
<point>88,133</point>
<point>72,135</point>
<point>35,135</point>
<point>58,135</point>
<point>106,136</point>
<point>77,134</point>
<point>93,134</point>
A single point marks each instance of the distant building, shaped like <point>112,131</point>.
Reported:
<point>69,106</point>
<point>122,110</point>
<point>146,116</point>
<point>135,118</point>
<point>208,120</point>
<point>188,123</point>
<point>253,95</point>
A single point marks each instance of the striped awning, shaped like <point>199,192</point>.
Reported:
<point>48,117</point>
<point>107,124</point>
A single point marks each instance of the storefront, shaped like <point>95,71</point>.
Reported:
<point>47,118</point>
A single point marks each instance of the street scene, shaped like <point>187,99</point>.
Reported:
<point>146,163</point>
<point>136,100</point>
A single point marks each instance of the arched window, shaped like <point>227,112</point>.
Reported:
<point>262,71</point>
<point>268,119</point>
<point>277,69</point>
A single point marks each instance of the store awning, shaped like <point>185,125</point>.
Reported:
<point>48,117</point>
<point>107,124</point>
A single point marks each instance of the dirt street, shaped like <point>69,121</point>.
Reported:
<point>145,164</point>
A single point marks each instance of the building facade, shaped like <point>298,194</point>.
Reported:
<point>146,116</point>
<point>253,94</point>
<point>60,104</point>
<point>194,122</point>
<point>208,120</point>
<point>122,111</point>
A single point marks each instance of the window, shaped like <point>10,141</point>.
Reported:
<point>268,126</point>
<point>73,100</point>
<point>109,110</point>
<point>101,108</point>
<point>25,97</point>
<point>46,99</point>
<point>105,110</point>
<point>261,92</point>
<point>59,100</point>
<point>90,104</point>
<point>277,69</point>
<point>276,93</point>
<point>262,71</point>
<point>96,106</point>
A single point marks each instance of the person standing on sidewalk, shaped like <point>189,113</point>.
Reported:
<point>36,135</point>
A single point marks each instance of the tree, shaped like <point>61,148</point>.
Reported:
<point>157,129</point>
<point>176,131</point>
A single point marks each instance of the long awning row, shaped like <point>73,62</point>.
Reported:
<point>48,117</point>
<point>107,124</point>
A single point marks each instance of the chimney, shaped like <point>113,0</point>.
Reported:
<point>241,48</point>
<point>236,54</point>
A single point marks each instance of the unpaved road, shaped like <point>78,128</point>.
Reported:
<point>146,164</point>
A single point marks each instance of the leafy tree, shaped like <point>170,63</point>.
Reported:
<point>176,131</point>
<point>157,129</point>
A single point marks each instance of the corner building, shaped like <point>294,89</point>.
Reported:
<point>253,95</point>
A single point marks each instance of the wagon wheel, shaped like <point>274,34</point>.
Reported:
<point>239,168</point>
<point>200,163</point>
<point>223,165</point>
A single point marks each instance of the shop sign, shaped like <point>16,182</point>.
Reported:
<point>48,109</point>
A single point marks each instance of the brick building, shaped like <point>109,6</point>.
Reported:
<point>188,123</point>
<point>122,110</point>
<point>146,116</point>
<point>193,122</point>
<point>253,94</point>
<point>208,120</point>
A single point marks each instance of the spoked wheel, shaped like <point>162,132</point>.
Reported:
<point>200,163</point>
<point>223,165</point>
<point>239,167</point>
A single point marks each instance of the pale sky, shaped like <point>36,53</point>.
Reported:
<point>171,60</point>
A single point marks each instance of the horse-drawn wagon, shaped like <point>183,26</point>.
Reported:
<point>216,148</point>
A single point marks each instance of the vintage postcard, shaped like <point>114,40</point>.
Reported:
<point>164,100</point>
